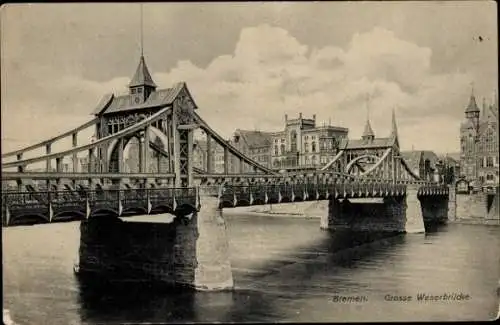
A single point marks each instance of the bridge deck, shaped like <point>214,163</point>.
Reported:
<point>56,206</point>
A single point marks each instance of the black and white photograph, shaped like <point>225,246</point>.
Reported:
<point>236,162</point>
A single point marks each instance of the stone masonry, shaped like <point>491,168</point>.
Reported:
<point>192,251</point>
<point>407,213</point>
<point>472,206</point>
<point>213,267</point>
<point>414,219</point>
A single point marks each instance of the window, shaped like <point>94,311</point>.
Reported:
<point>139,90</point>
<point>282,147</point>
<point>462,143</point>
<point>275,140</point>
<point>275,150</point>
<point>306,147</point>
<point>490,177</point>
<point>314,160</point>
<point>489,161</point>
<point>293,141</point>
<point>307,137</point>
<point>282,140</point>
<point>132,91</point>
<point>470,144</point>
<point>313,146</point>
<point>489,140</point>
<point>313,137</point>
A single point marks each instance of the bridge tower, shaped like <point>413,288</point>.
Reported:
<point>373,157</point>
<point>162,147</point>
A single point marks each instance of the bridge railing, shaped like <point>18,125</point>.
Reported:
<point>47,206</point>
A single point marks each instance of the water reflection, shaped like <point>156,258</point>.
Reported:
<point>133,302</point>
<point>258,295</point>
<point>285,269</point>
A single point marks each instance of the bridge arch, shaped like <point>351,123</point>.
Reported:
<point>355,162</point>
<point>69,215</point>
<point>28,219</point>
<point>156,136</point>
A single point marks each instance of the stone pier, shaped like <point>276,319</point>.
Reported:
<point>413,213</point>
<point>191,251</point>
<point>204,241</point>
<point>407,213</point>
<point>377,215</point>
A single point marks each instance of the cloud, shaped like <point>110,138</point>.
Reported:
<point>270,73</point>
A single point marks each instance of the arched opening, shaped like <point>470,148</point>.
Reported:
<point>157,151</point>
<point>360,164</point>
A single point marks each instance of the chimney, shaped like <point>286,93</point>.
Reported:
<point>286,117</point>
<point>300,115</point>
<point>314,117</point>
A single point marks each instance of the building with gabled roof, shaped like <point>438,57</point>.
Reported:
<point>479,155</point>
<point>254,144</point>
<point>422,163</point>
<point>304,145</point>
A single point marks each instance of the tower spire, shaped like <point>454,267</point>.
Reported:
<point>368,134</point>
<point>394,130</point>
<point>368,107</point>
<point>472,108</point>
<point>142,33</point>
<point>142,84</point>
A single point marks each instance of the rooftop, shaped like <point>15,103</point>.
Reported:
<point>472,107</point>
<point>254,139</point>
<point>368,132</point>
<point>412,158</point>
<point>362,144</point>
<point>142,77</point>
<point>160,98</point>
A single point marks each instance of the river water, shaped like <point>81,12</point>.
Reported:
<point>285,269</point>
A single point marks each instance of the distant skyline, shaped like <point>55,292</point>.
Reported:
<point>249,64</point>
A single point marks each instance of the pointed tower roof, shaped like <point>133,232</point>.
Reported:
<point>368,132</point>
<point>394,129</point>
<point>472,107</point>
<point>142,77</point>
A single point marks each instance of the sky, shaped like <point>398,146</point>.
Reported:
<point>249,64</point>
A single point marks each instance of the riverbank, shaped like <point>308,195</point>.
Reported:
<point>476,221</point>
<point>316,209</point>
<point>305,210</point>
<point>268,213</point>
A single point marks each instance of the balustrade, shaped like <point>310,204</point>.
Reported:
<point>49,203</point>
